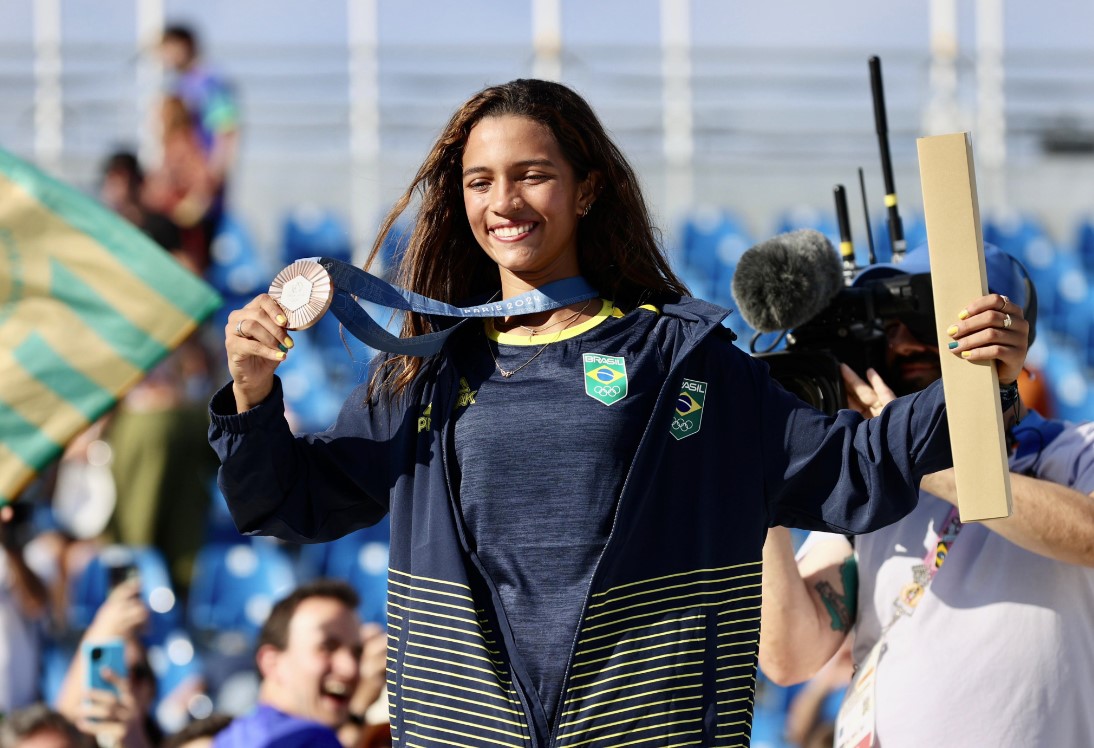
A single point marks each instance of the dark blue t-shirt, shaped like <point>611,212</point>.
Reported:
<point>266,727</point>
<point>537,522</point>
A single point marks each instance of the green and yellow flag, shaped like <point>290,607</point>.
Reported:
<point>88,304</point>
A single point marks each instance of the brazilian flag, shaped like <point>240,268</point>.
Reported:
<point>88,305</point>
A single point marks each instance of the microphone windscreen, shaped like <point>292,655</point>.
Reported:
<point>787,280</point>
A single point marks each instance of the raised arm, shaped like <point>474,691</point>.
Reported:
<point>809,605</point>
<point>303,489</point>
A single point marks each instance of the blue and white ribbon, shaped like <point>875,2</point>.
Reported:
<point>351,281</point>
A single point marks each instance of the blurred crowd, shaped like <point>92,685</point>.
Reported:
<point>133,614</point>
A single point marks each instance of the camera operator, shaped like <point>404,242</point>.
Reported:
<point>994,649</point>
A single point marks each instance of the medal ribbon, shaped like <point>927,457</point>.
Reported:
<point>350,281</point>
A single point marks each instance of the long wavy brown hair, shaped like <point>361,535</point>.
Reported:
<point>617,247</point>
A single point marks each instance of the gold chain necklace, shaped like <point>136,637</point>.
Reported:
<point>566,320</point>
<point>506,373</point>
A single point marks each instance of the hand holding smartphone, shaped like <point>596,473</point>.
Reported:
<point>104,655</point>
<point>118,573</point>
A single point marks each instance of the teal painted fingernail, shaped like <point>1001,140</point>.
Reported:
<point>954,344</point>
<point>283,349</point>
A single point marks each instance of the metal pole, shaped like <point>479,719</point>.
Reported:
<point>990,136</point>
<point>150,21</point>
<point>364,122</point>
<point>943,114</point>
<point>48,101</point>
<point>679,145</point>
<point>547,39</point>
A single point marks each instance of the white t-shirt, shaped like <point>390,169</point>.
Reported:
<point>1000,650</point>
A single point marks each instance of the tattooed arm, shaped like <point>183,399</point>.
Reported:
<point>809,606</point>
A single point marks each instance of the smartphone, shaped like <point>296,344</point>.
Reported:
<point>118,573</point>
<point>102,655</point>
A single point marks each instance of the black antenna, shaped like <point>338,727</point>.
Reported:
<point>896,228</point>
<point>846,246</point>
<point>866,214</point>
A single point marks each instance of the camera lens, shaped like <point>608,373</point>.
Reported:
<point>96,653</point>
<point>815,391</point>
<point>813,376</point>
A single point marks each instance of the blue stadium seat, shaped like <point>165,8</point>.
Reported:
<point>179,673</point>
<point>311,231</point>
<point>391,251</point>
<point>1084,243</point>
<point>55,661</point>
<point>1012,231</point>
<point>311,397</point>
<point>236,269</point>
<point>90,588</point>
<point>700,283</point>
<point>360,558</point>
<point>711,238</point>
<point>1074,306</point>
<point>1069,381</point>
<point>234,587</point>
<point>809,217</point>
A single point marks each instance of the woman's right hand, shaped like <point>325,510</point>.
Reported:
<point>256,342</point>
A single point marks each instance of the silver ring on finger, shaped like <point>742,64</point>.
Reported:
<point>1007,322</point>
<point>1005,302</point>
<point>239,330</point>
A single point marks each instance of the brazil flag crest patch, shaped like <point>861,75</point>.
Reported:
<point>605,377</point>
<point>688,417</point>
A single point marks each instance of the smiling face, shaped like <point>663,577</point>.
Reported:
<point>315,676</point>
<point>523,201</point>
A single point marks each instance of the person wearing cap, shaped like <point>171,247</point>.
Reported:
<point>963,635</point>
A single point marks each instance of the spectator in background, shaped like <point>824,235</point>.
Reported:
<point>183,186</point>
<point>23,604</point>
<point>367,726</point>
<point>811,713</point>
<point>125,718</point>
<point>210,103</point>
<point>121,188</point>
<point>161,463</point>
<point>38,726</point>
<point>309,659</point>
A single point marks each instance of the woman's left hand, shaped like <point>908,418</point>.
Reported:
<point>992,327</point>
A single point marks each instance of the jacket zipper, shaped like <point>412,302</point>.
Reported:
<point>662,397</point>
<point>446,443</point>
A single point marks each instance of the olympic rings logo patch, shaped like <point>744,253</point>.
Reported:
<point>605,377</point>
<point>688,417</point>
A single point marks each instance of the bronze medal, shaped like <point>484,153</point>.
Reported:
<point>304,290</point>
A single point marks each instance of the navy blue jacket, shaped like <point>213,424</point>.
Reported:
<point>666,649</point>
